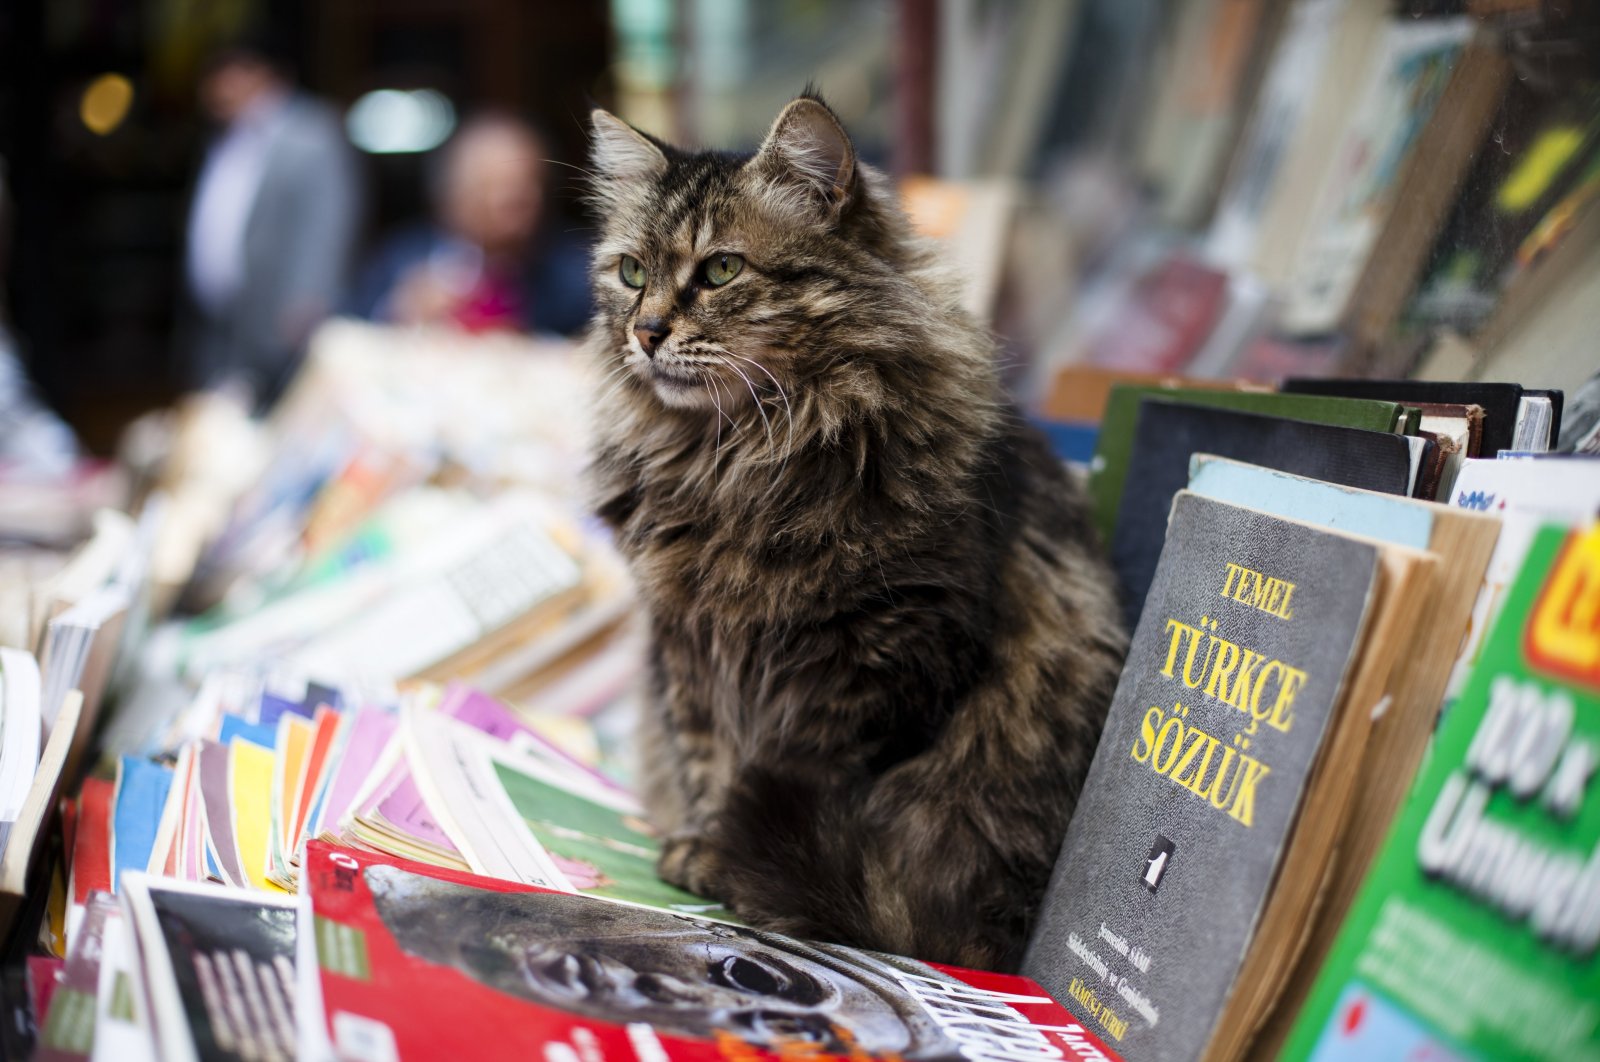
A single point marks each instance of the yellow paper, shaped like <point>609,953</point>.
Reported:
<point>294,741</point>
<point>250,786</point>
<point>53,931</point>
<point>1540,164</point>
<point>573,734</point>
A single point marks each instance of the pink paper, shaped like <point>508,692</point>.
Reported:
<point>483,712</point>
<point>400,802</point>
<point>402,805</point>
<point>369,735</point>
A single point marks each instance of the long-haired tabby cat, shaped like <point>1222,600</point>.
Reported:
<point>882,642</point>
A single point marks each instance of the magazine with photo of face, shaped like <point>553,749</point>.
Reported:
<point>417,962</point>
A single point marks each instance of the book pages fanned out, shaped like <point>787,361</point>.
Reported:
<point>526,818</point>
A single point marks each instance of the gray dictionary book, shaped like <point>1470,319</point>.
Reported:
<point>1249,634</point>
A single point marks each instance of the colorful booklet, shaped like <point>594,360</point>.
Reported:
<point>136,807</point>
<point>1525,495</point>
<point>417,962</point>
<point>1476,933</point>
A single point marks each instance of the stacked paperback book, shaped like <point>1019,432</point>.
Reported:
<point>1340,186</point>
<point>371,802</point>
<point>1309,622</point>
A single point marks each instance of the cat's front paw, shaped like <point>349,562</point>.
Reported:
<point>690,861</point>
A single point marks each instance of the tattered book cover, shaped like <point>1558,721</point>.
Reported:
<point>1246,640</point>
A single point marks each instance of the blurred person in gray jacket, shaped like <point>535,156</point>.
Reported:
<point>272,225</point>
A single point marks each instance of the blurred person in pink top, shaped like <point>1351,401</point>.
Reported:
<point>493,259</point>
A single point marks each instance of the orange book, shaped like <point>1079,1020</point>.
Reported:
<point>322,740</point>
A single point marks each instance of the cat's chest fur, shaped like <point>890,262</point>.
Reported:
<point>713,543</point>
<point>759,588</point>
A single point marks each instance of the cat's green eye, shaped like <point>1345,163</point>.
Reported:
<point>721,268</point>
<point>632,271</point>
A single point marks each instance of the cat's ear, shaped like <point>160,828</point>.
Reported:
<point>619,152</point>
<point>808,151</point>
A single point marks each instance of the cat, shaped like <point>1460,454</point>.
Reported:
<point>882,637</point>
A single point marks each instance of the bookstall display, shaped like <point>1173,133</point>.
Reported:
<point>316,729</point>
<point>386,704</point>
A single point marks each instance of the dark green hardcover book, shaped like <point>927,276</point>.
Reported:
<point>1109,472</point>
<point>1230,690</point>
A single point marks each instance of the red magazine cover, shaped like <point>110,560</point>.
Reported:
<point>416,962</point>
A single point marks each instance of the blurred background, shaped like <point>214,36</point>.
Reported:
<point>1213,187</point>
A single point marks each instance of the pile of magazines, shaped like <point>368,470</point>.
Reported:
<point>361,791</point>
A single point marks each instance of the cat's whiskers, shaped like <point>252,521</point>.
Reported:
<point>608,384</point>
<point>760,407</point>
<point>717,383</point>
<point>590,174</point>
<point>788,411</point>
<point>716,450</point>
<point>724,354</point>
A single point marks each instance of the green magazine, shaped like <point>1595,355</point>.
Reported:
<point>1475,933</point>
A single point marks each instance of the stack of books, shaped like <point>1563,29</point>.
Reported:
<point>1318,599</point>
<point>1333,186</point>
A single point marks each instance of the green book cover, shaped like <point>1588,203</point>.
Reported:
<point>1113,448</point>
<point>1475,933</point>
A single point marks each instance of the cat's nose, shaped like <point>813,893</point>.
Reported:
<point>651,334</point>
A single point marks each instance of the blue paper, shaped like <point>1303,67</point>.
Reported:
<point>234,726</point>
<point>1371,1029</point>
<point>1385,517</point>
<point>141,793</point>
<point>318,695</point>
<point>1070,440</point>
<point>274,708</point>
